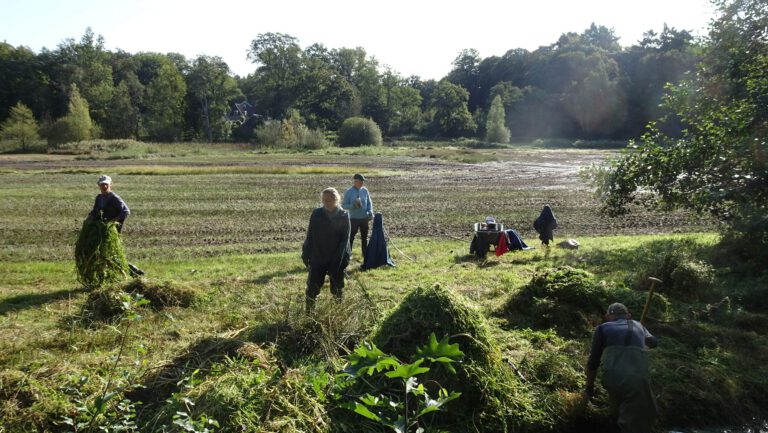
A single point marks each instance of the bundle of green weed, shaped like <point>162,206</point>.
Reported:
<point>492,396</point>
<point>103,305</point>
<point>570,301</point>
<point>161,294</point>
<point>566,299</point>
<point>99,254</point>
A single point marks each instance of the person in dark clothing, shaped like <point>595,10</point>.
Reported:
<point>326,248</point>
<point>357,201</point>
<point>545,225</point>
<point>108,205</point>
<point>620,345</point>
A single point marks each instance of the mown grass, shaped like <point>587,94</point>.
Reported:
<point>232,239</point>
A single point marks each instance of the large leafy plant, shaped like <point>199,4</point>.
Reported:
<point>400,394</point>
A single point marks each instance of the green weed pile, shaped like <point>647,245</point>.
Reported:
<point>99,254</point>
<point>566,299</point>
<point>492,397</point>
<point>571,302</point>
<point>161,294</point>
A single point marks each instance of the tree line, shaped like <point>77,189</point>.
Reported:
<point>584,86</point>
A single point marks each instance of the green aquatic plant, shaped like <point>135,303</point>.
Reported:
<point>99,254</point>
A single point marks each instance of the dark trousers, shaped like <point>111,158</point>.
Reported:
<point>361,224</point>
<point>316,279</point>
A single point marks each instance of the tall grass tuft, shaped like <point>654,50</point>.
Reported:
<point>99,254</point>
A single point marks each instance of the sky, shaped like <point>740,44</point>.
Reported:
<point>413,37</point>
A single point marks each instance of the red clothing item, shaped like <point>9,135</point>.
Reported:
<point>501,244</point>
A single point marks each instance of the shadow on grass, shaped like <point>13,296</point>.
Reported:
<point>23,302</point>
<point>266,278</point>
<point>482,262</point>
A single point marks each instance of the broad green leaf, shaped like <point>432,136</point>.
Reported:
<point>407,371</point>
<point>367,358</point>
<point>361,410</point>
<point>441,352</point>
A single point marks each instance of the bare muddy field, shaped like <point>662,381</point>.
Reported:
<point>247,202</point>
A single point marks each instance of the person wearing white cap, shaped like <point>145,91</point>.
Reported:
<point>108,205</point>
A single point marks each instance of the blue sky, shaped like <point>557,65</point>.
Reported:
<point>411,36</point>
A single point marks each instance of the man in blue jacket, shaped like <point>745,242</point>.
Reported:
<point>357,201</point>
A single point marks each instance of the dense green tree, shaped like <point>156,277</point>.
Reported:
<point>647,68</point>
<point>22,79</point>
<point>164,104</point>
<point>327,97</point>
<point>85,64</point>
<point>76,125</point>
<point>212,88</point>
<point>466,73</point>
<point>719,165</point>
<point>122,119</point>
<point>277,76</point>
<point>362,72</point>
<point>451,114</point>
<point>20,126</point>
<point>495,128</point>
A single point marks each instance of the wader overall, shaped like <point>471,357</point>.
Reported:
<point>628,382</point>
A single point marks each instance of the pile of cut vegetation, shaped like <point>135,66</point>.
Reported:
<point>99,254</point>
<point>492,397</point>
<point>571,302</point>
<point>104,305</point>
<point>161,294</point>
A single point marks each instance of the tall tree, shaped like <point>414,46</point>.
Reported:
<point>164,104</point>
<point>278,57</point>
<point>122,119</point>
<point>720,164</point>
<point>451,114</point>
<point>86,64</point>
<point>20,126</point>
<point>211,86</point>
<point>466,73</point>
<point>76,125</point>
<point>495,129</point>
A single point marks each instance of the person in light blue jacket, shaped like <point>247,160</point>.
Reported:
<point>357,201</point>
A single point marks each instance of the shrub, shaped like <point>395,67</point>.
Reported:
<point>683,276</point>
<point>357,131</point>
<point>20,127</point>
<point>270,134</point>
<point>310,138</point>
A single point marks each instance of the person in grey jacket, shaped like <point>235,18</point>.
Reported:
<point>357,201</point>
<point>326,248</point>
<point>108,205</point>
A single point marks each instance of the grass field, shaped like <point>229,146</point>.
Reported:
<point>227,225</point>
